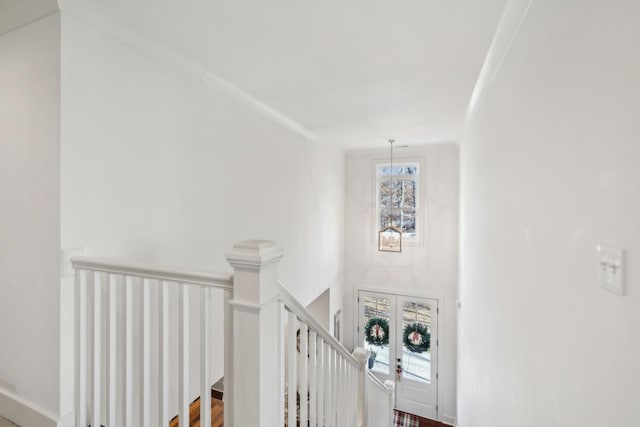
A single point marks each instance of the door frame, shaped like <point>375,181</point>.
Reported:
<point>438,298</point>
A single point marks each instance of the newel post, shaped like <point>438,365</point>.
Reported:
<point>257,383</point>
<point>391,387</point>
<point>362,356</point>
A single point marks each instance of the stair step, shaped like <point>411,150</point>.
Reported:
<point>217,413</point>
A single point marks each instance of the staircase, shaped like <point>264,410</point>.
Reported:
<point>150,340</point>
<point>217,414</point>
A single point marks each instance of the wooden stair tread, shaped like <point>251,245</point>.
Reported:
<point>217,414</point>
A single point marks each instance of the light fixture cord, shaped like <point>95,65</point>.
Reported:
<point>391,141</point>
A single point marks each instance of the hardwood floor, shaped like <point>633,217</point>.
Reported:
<point>425,422</point>
<point>217,414</point>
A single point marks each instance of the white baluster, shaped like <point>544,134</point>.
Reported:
<point>334,386</point>
<point>129,367</point>
<point>163,364</point>
<point>184,355</point>
<point>228,360</point>
<point>97,350</point>
<point>320,376</point>
<point>328,367</point>
<point>146,353</point>
<point>304,359</point>
<point>313,360</point>
<point>205,386</point>
<point>350,394</point>
<point>81,343</point>
<point>361,355</point>
<point>339,395</point>
<point>344,399</point>
<point>354,394</point>
<point>291,368</point>
<point>112,402</point>
<point>390,386</point>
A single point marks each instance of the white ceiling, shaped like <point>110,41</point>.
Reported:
<point>353,72</point>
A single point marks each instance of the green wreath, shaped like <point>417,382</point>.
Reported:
<point>377,331</point>
<point>416,338</point>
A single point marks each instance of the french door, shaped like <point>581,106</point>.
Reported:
<point>410,356</point>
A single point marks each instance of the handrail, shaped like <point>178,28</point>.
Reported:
<point>293,305</point>
<point>150,271</point>
<point>376,380</point>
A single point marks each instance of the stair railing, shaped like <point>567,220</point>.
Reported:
<point>123,336</point>
<point>326,381</point>
<point>125,332</point>
<point>380,401</point>
<point>325,388</point>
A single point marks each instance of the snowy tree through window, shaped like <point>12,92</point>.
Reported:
<point>397,203</point>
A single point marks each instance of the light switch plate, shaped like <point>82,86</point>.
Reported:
<point>66,269</point>
<point>611,268</point>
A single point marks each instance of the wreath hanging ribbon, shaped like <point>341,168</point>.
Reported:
<point>376,331</point>
<point>416,338</point>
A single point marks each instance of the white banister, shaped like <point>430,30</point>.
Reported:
<point>112,402</point>
<point>380,398</point>
<point>304,372</point>
<point>303,314</point>
<point>128,364</point>
<point>146,353</point>
<point>125,375</point>
<point>362,355</point>
<point>291,371</point>
<point>81,348</point>
<point>317,373</point>
<point>313,378</point>
<point>163,364</point>
<point>149,271</point>
<point>327,386</point>
<point>117,350</point>
<point>205,386</point>
<point>258,370</point>
<point>229,379</point>
<point>391,400</point>
<point>96,419</point>
<point>183,358</point>
<point>320,377</point>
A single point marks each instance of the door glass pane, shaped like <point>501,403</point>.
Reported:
<point>377,308</point>
<point>416,339</point>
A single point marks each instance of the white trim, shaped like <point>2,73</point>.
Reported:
<point>439,297</point>
<point>511,21</point>
<point>29,22</point>
<point>151,271</point>
<point>421,197</point>
<point>25,413</point>
<point>448,419</point>
<point>293,305</point>
<point>188,68</point>
<point>440,304</point>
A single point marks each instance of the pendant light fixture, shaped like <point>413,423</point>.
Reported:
<point>390,236</point>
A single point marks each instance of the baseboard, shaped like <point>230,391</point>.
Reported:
<point>68,420</point>
<point>447,419</point>
<point>25,413</point>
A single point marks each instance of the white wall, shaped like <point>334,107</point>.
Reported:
<point>550,170</point>
<point>158,168</point>
<point>29,220</point>
<point>320,309</point>
<point>427,269</point>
